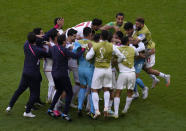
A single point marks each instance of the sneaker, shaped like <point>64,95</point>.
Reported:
<point>51,113</point>
<point>124,111</point>
<point>91,115</point>
<point>29,115</point>
<point>57,113</point>
<point>135,95</point>
<point>73,106</point>
<point>145,92</point>
<point>8,109</point>
<point>97,114</point>
<point>80,114</point>
<point>110,113</point>
<point>66,117</point>
<point>116,116</point>
<point>167,79</point>
<point>155,82</point>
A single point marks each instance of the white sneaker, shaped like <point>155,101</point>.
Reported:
<point>167,79</point>
<point>135,95</point>
<point>155,82</point>
<point>28,114</point>
<point>97,114</point>
<point>73,106</point>
<point>145,92</point>
<point>8,109</point>
<point>124,111</point>
<point>116,116</point>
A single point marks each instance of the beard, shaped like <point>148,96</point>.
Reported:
<point>138,28</point>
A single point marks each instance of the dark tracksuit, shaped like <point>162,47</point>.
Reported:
<point>31,76</point>
<point>60,74</point>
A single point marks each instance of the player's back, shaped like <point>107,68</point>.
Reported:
<point>103,54</point>
<point>129,53</point>
<point>81,26</point>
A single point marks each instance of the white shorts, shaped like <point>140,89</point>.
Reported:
<point>75,73</point>
<point>50,79</point>
<point>126,80</point>
<point>102,77</point>
<point>150,61</point>
<point>114,82</point>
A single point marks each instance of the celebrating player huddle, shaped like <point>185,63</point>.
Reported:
<point>110,60</point>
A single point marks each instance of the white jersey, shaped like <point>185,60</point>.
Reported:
<point>81,26</point>
<point>60,31</point>
<point>71,62</point>
<point>47,64</point>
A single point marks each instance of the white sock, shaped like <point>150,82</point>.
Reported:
<point>116,105</point>
<point>106,99</point>
<point>128,102</point>
<point>95,99</point>
<point>110,104</point>
<point>153,77</point>
<point>162,75</point>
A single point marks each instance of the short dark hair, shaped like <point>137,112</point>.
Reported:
<point>56,19</point>
<point>104,34</point>
<point>96,37</point>
<point>37,31</point>
<point>119,14</point>
<point>61,39</point>
<point>110,36</point>
<point>53,34</point>
<point>96,22</point>
<point>31,37</point>
<point>119,34</point>
<point>71,32</point>
<point>87,31</point>
<point>140,20</point>
<point>128,26</point>
<point>124,40</point>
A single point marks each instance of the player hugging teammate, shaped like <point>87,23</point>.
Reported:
<point>108,61</point>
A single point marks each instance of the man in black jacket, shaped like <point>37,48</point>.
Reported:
<point>31,76</point>
<point>60,56</point>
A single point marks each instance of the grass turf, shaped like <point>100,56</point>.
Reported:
<point>165,107</point>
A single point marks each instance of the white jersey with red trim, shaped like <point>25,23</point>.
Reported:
<point>47,64</point>
<point>81,26</point>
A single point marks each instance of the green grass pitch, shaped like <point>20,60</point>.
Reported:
<point>164,110</point>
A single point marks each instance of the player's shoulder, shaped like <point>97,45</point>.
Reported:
<point>111,23</point>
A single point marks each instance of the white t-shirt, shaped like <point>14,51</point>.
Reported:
<point>47,64</point>
<point>81,26</point>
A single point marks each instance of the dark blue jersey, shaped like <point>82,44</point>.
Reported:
<point>60,57</point>
<point>32,58</point>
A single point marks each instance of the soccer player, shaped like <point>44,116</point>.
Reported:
<point>72,64</point>
<point>127,76</point>
<point>85,70</point>
<point>95,25</point>
<point>59,22</point>
<point>47,66</point>
<point>145,36</point>
<point>102,77</point>
<point>117,25</point>
<point>31,77</point>
<point>60,74</point>
<point>139,61</point>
